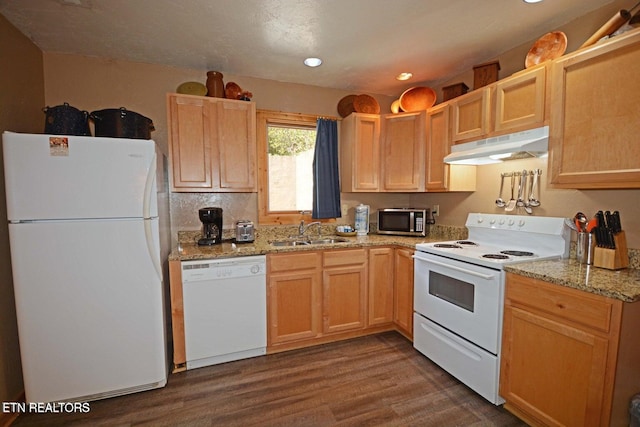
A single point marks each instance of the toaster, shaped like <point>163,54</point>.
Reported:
<point>245,231</point>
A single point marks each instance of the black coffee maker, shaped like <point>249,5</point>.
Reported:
<point>211,226</point>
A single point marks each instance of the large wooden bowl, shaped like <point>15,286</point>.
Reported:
<point>550,46</point>
<point>417,99</point>
<point>366,104</point>
<point>345,106</point>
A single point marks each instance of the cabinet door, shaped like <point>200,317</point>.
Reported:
<point>470,115</point>
<point>380,310</point>
<point>403,151</point>
<point>360,153</point>
<point>190,143</point>
<point>439,175</point>
<point>552,372</point>
<point>438,146</point>
<point>520,101</point>
<point>594,121</point>
<point>234,146</point>
<point>344,282</point>
<point>403,291</point>
<point>294,297</point>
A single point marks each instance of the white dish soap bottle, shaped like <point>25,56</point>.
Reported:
<point>362,220</point>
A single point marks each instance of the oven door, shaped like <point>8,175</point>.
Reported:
<point>464,298</point>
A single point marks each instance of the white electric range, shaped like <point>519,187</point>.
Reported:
<point>459,292</point>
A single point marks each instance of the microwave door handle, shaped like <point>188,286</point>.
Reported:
<point>460,269</point>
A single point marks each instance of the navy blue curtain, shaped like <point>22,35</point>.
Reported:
<point>326,176</point>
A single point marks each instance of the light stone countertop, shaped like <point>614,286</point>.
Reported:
<point>619,284</point>
<point>191,251</point>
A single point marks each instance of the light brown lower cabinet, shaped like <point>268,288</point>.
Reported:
<point>403,291</point>
<point>344,290</point>
<point>380,310</point>
<point>569,357</point>
<point>323,296</point>
<point>294,297</point>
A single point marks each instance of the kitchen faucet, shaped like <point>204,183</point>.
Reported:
<point>303,229</point>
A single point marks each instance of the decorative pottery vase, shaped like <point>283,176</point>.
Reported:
<point>215,85</point>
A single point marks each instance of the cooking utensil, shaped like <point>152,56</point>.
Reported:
<point>533,201</point>
<point>550,46</point>
<point>66,120</point>
<point>192,88</point>
<point>617,226</point>
<point>345,105</point>
<point>521,189</point>
<point>499,201</point>
<point>582,221</point>
<point>395,106</point>
<point>511,205</point>
<point>417,98</point>
<point>121,123</point>
<point>610,27</point>
<point>366,104</point>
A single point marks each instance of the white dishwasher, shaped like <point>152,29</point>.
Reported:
<point>225,309</point>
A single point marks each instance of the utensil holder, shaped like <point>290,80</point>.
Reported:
<point>613,259</point>
<point>585,246</point>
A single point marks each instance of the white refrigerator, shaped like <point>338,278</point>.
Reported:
<point>87,267</point>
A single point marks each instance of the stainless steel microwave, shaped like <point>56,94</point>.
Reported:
<point>403,221</point>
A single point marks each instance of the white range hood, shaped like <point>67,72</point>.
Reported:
<point>529,143</point>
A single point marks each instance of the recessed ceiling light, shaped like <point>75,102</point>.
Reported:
<point>404,76</point>
<point>532,1</point>
<point>313,62</point>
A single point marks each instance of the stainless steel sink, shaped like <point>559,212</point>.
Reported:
<point>290,243</point>
<point>319,241</point>
<point>328,241</point>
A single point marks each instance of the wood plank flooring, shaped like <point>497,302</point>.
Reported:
<point>378,380</point>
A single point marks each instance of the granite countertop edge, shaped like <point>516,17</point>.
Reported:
<point>621,284</point>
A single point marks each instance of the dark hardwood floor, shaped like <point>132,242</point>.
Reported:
<point>378,380</point>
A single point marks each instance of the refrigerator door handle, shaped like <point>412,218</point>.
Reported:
<point>153,251</point>
<point>148,188</point>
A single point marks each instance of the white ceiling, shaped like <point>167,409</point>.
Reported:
<point>364,43</point>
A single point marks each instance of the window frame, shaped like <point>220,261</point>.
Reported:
<point>265,118</point>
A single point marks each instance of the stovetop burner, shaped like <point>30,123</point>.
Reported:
<point>495,256</point>
<point>495,241</point>
<point>517,253</point>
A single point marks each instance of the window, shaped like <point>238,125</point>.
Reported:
<point>286,144</point>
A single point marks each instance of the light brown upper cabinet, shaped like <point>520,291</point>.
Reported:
<point>212,144</point>
<point>520,101</point>
<point>439,175</point>
<point>360,153</point>
<point>471,115</point>
<point>403,146</point>
<point>594,123</point>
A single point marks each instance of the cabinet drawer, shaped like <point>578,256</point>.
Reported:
<point>293,262</point>
<point>344,257</point>
<point>589,310</point>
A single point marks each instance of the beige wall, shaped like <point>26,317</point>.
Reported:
<point>94,83</point>
<point>21,102</point>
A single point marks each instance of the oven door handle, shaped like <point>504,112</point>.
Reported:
<point>452,267</point>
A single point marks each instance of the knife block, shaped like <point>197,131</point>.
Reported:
<point>613,259</point>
